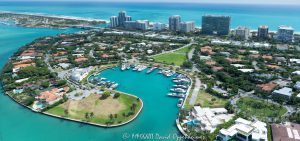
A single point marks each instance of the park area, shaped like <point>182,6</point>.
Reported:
<point>260,109</point>
<point>107,111</point>
<point>205,99</point>
<point>177,57</point>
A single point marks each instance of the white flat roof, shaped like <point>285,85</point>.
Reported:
<point>257,129</point>
<point>284,91</point>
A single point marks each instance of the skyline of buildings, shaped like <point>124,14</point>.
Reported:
<point>211,25</point>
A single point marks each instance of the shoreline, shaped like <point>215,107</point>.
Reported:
<point>79,121</point>
<point>53,16</point>
<point>107,21</point>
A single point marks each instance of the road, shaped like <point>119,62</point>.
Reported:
<point>91,53</point>
<point>170,51</point>
<point>195,92</point>
<point>47,62</point>
<point>190,57</point>
<point>191,53</point>
<point>254,64</point>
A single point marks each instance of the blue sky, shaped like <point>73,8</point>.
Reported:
<point>192,1</point>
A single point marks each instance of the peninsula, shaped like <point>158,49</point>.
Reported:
<point>47,21</point>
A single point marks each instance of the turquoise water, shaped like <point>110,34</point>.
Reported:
<point>247,15</point>
<point>12,38</point>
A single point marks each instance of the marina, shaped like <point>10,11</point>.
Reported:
<point>101,81</point>
<point>178,89</point>
<point>181,82</point>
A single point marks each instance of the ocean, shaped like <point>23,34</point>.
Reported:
<point>242,15</point>
<point>20,124</point>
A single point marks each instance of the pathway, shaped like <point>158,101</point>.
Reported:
<point>190,57</point>
<point>195,92</point>
<point>47,62</point>
<point>171,51</point>
<point>191,53</point>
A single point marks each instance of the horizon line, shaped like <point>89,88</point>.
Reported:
<point>166,2</point>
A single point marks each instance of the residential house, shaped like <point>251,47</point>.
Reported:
<point>284,92</point>
<point>208,119</point>
<point>21,66</point>
<point>268,86</point>
<point>207,50</point>
<point>244,130</point>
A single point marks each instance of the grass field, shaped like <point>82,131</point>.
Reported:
<point>170,58</point>
<point>176,57</point>
<point>260,109</point>
<point>183,50</point>
<point>207,100</point>
<point>93,109</point>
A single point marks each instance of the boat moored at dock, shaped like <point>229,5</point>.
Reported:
<point>151,70</point>
<point>176,95</point>
<point>180,102</point>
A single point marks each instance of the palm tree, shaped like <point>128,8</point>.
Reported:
<point>111,116</point>
<point>133,106</point>
<point>66,112</point>
<point>92,114</point>
<point>87,115</point>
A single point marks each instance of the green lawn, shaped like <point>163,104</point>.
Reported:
<point>170,58</point>
<point>260,109</point>
<point>176,57</point>
<point>205,99</point>
<point>102,109</point>
<point>183,50</point>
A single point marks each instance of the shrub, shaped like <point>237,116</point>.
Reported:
<point>116,95</point>
<point>105,95</point>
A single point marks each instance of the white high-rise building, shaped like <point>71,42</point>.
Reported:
<point>128,18</point>
<point>242,33</point>
<point>159,26</point>
<point>142,24</point>
<point>187,26</point>
<point>114,22</point>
